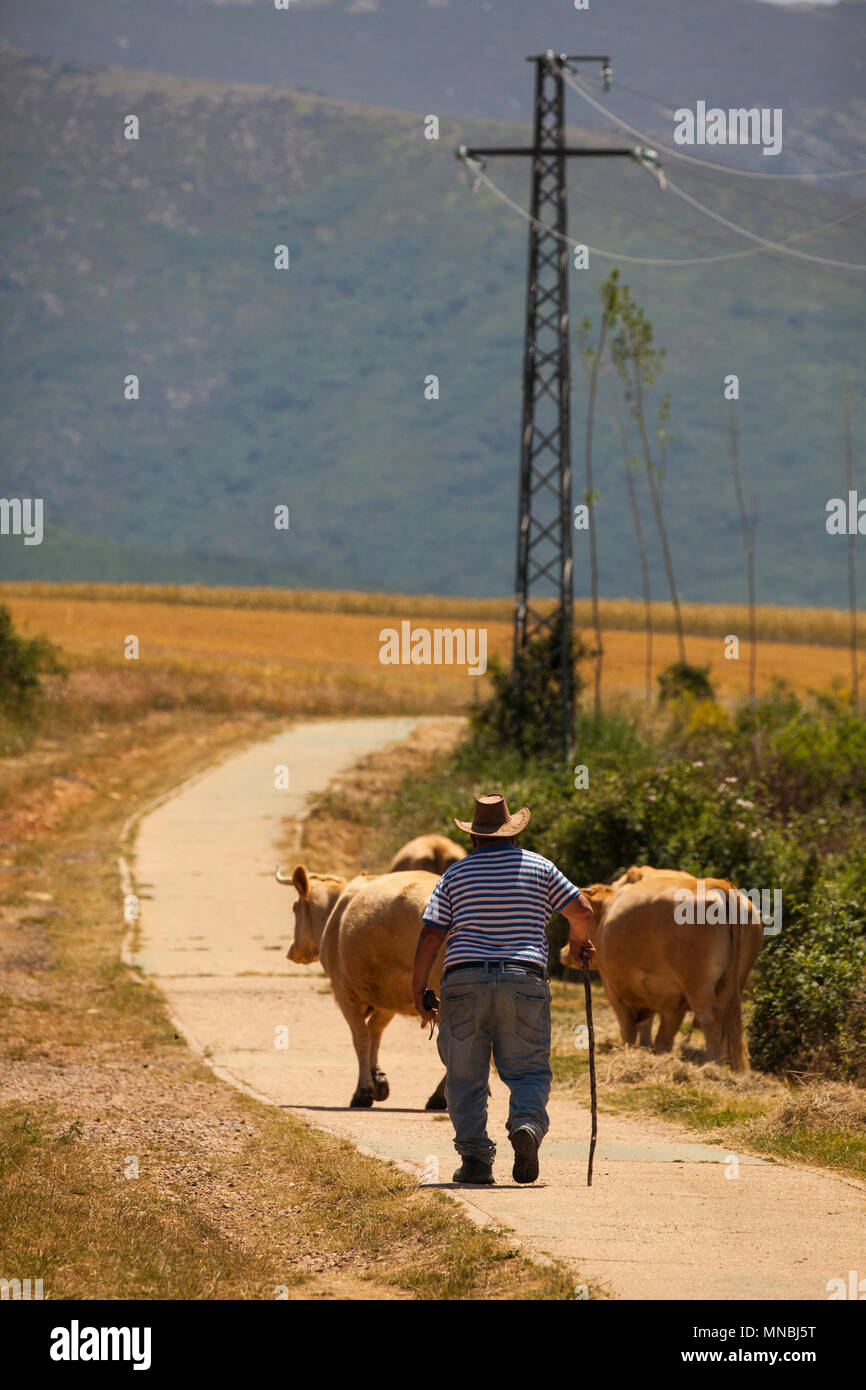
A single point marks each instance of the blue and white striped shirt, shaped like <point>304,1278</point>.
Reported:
<point>496,903</point>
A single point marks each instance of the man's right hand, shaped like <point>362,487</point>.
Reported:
<point>427,1015</point>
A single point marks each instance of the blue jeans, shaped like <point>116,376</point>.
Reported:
<point>506,1010</point>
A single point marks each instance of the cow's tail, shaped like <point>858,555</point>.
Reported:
<point>728,996</point>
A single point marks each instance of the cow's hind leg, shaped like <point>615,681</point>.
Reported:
<point>669,1026</point>
<point>354,1013</point>
<point>707,1015</point>
<point>626,1018</point>
<point>376,1024</point>
<point>437,1101</point>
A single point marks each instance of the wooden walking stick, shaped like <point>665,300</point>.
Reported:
<point>592,1093</point>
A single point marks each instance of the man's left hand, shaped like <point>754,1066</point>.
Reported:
<point>581,952</point>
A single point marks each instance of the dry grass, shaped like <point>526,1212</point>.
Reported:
<point>825,627</point>
<point>803,667</point>
<point>250,1204</point>
<point>301,653</point>
<point>825,1105</point>
<point>288,662</point>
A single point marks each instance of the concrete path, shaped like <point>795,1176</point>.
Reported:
<point>666,1217</point>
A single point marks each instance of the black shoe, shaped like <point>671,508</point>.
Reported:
<point>475,1170</point>
<point>525,1146</point>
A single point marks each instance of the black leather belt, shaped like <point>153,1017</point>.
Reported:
<point>529,965</point>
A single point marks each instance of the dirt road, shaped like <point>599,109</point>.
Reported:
<point>666,1217</point>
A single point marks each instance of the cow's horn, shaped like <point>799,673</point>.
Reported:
<point>282,878</point>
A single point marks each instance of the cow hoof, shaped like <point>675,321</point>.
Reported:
<point>361,1100</point>
<point>381,1089</point>
<point>436,1102</point>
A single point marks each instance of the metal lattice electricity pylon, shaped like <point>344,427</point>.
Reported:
<point>544,552</point>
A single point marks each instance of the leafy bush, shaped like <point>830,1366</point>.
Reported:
<point>676,816</point>
<point>526,713</point>
<point>22,662</point>
<point>810,996</point>
<point>796,756</point>
<point>682,679</point>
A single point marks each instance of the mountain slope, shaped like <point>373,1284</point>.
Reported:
<point>306,387</point>
<point>466,56</point>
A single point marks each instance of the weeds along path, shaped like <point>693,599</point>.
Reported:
<point>665,1218</point>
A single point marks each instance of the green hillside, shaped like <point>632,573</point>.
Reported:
<point>306,387</point>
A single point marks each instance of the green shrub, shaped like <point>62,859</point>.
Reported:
<point>793,754</point>
<point>683,680</point>
<point>22,662</point>
<point>810,997</point>
<point>526,713</point>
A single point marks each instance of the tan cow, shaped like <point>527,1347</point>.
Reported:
<point>652,963</point>
<point>365,932</point>
<point>636,873</point>
<point>433,853</point>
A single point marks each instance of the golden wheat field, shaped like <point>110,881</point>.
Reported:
<point>331,641</point>
<point>823,627</point>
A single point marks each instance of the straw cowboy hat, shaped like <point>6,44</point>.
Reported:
<point>492,818</point>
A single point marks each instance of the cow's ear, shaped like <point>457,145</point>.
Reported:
<point>301,881</point>
<point>598,896</point>
<point>633,874</point>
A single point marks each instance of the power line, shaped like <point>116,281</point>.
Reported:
<point>752,195</point>
<point>671,111</point>
<point>681,261</point>
<point>707,170</point>
<point>578,85</point>
<point>679,227</point>
<point>779,246</point>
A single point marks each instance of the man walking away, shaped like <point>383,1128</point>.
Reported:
<point>494,906</point>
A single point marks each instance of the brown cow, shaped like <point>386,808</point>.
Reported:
<point>365,932</point>
<point>433,853</point>
<point>651,961</point>
<point>636,873</point>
